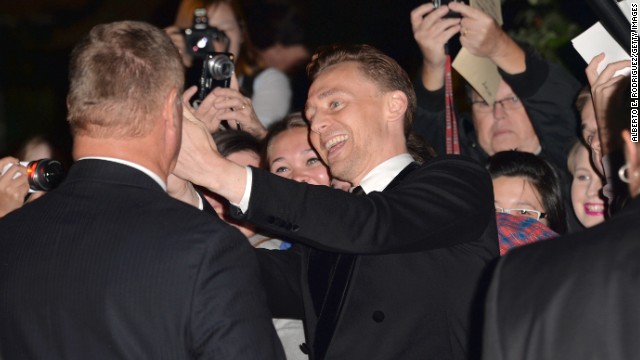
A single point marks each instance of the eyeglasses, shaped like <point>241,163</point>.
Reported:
<point>535,214</point>
<point>510,103</point>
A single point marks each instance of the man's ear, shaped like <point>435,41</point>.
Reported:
<point>396,105</point>
<point>171,111</point>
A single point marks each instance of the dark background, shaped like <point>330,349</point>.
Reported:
<point>36,38</point>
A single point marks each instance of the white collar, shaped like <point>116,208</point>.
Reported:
<point>151,174</point>
<point>379,177</point>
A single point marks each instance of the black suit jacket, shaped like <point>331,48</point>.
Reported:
<point>108,266</point>
<point>574,297</point>
<point>422,245</point>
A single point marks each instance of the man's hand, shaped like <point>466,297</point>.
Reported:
<point>14,185</point>
<point>200,162</point>
<point>198,152</point>
<point>432,31</point>
<point>603,86</point>
<point>483,37</point>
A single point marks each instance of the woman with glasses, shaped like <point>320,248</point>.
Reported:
<point>527,187</point>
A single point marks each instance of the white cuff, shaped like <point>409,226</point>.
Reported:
<point>244,202</point>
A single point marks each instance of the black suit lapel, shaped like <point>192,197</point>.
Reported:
<point>330,280</point>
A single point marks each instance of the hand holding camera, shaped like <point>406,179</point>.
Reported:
<point>14,185</point>
<point>41,175</point>
<point>432,30</point>
<point>225,108</point>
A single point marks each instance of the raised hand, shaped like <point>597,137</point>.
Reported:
<point>483,37</point>
<point>226,104</point>
<point>602,87</point>
<point>431,32</point>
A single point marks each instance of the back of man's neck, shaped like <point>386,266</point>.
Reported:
<point>138,151</point>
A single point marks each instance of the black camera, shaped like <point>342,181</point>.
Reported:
<point>450,14</point>
<point>200,37</point>
<point>217,70</point>
<point>217,67</point>
<point>44,174</point>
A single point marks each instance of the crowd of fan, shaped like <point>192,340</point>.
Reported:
<point>555,158</point>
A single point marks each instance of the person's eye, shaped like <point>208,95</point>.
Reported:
<point>281,169</point>
<point>525,212</point>
<point>313,161</point>
<point>335,104</point>
<point>583,177</point>
<point>514,100</point>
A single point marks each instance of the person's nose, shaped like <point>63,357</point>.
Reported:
<point>319,123</point>
<point>593,189</point>
<point>498,110</point>
<point>300,176</point>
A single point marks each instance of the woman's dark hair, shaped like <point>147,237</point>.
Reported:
<point>233,141</point>
<point>291,121</point>
<point>538,173</point>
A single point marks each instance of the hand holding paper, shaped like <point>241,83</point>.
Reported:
<point>597,40</point>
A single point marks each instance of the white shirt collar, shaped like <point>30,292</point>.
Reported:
<point>151,174</point>
<point>379,177</point>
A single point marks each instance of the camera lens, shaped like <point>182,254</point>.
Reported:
<point>44,174</point>
<point>220,67</point>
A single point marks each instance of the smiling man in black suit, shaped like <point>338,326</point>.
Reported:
<point>393,274</point>
<point>108,266</point>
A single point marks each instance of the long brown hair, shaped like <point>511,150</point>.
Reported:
<point>247,60</point>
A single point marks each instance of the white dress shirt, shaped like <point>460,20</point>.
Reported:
<point>376,180</point>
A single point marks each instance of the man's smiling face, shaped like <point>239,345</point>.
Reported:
<point>345,111</point>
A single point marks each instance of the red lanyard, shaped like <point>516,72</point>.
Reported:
<point>452,140</point>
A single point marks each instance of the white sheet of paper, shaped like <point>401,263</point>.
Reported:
<point>625,6</point>
<point>596,40</point>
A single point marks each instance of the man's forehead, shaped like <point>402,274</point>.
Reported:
<point>338,72</point>
<point>325,93</point>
